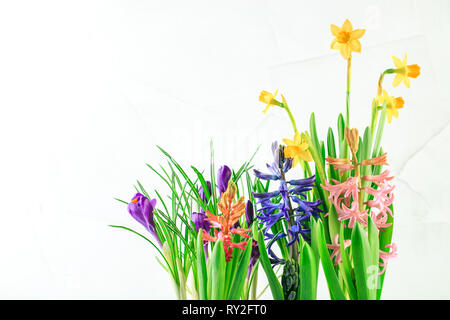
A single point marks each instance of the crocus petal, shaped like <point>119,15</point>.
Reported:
<point>223,176</point>
<point>141,209</point>
<point>249,213</point>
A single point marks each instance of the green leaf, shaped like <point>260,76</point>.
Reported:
<point>275,286</point>
<point>385,239</point>
<point>201,268</point>
<point>362,261</point>
<point>330,143</point>
<point>204,187</point>
<point>151,242</point>
<point>341,130</point>
<point>345,266</point>
<point>314,138</point>
<point>375,257</point>
<point>365,152</point>
<point>308,273</point>
<point>239,278</point>
<point>218,272</point>
<point>377,143</point>
<point>121,200</point>
<point>336,292</point>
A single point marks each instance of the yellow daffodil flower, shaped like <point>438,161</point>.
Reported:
<point>404,72</point>
<point>346,39</point>
<point>269,99</point>
<point>297,149</point>
<point>392,105</point>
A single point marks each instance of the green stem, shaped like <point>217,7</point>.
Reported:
<point>254,284</point>
<point>347,102</point>
<point>332,217</point>
<point>375,108</point>
<point>291,117</point>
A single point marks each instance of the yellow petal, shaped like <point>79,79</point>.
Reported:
<point>306,155</point>
<point>288,142</point>
<point>395,112</point>
<point>345,51</point>
<point>398,78</point>
<point>347,26</point>
<point>407,82</point>
<point>358,33</point>
<point>297,138</point>
<point>397,62</point>
<point>355,45</point>
<point>405,60</point>
<point>334,44</point>
<point>389,115</point>
<point>295,162</point>
<point>267,108</point>
<point>291,151</point>
<point>334,30</point>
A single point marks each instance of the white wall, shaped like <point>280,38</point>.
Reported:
<point>88,88</point>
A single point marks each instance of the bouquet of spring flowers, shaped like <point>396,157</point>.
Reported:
<point>353,239</point>
<point>326,202</point>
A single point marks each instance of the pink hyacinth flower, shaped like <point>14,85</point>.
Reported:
<point>347,189</point>
<point>382,197</point>
<point>337,249</point>
<point>385,256</point>
<point>382,177</point>
<point>380,220</point>
<point>353,214</point>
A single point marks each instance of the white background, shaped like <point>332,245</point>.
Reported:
<point>88,88</point>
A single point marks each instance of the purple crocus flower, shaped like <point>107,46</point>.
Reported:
<point>202,192</point>
<point>253,258</point>
<point>141,209</point>
<point>249,213</point>
<point>200,222</point>
<point>223,176</point>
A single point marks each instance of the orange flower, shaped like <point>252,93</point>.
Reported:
<point>352,137</point>
<point>378,161</point>
<point>231,212</point>
<point>341,165</point>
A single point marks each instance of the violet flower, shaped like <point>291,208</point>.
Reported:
<point>254,256</point>
<point>223,176</point>
<point>199,218</point>
<point>200,222</point>
<point>141,209</point>
<point>292,193</point>
<point>202,192</point>
<point>249,213</point>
